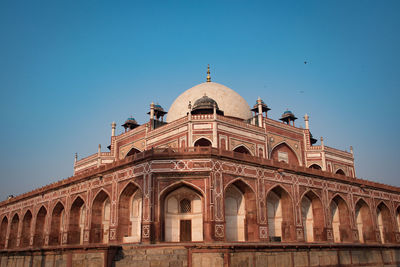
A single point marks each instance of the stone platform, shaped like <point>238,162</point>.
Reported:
<point>203,255</point>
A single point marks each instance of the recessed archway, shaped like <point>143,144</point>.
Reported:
<point>202,142</point>
<point>312,217</point>
<point>12,239</point>
<point>77,217</point>
<point>38,239</point>
<point>315,166</point>
<point>183,215</point>
<point>340,171</point>
<point>340,218</point>
<point>284,153</point>
<point>240,212</point>
<point>280,215</point>
<point>3,232</point>
<point>398,218</point>
<point>384,223</point>
<point>58,222</point>
<point>133,151</point>
<point>242,149</point>
<point>364,222</point>
<point>100,221</point>
<point>26,229</point>
<point>130,214</point>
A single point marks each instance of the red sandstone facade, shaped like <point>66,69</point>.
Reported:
<point>205,178</point>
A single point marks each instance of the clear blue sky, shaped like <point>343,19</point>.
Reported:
<point>70,68</point>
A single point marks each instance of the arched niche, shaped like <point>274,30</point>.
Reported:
<point>384,223</point>
<point>315,166</point>
<point>100,221</point>
<point>3,232</point>
<point>280,215</point>
<point>183,215</point>
<point>38,239</point>
<point>57,226</point>
<point>312,217</point>
<point>240,212</point>
<point>130,214</point>
<point>364,222</point>
<point>26,229</point>
<point>132,151</point>
<point>398,218</point>
<point>202,142</point>
<point>340,218</point>
<point>284,153</point>
<point>242,149</point>
<point>12,239</point>
<point>77,217</point>
<point>340,171</point>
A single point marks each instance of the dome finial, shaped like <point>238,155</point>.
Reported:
<point>208,74</point>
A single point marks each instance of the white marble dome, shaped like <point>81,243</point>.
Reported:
<point>230,102</point>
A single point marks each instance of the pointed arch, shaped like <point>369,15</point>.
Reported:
<point>203,142</point>
<point>398,218</point>
<point>312,212</point>
<point>280,215</point>
<point>3,232</point>
<point>181,224</point>
<point>26,229</point>
<point>178,184</point>
<point>340,171</point>
<point>130,214</point>
<point>242,149</point>
<point>384,223</point>
<point>240,181</point>
<point>315,166</point>
<point>340,218</point>
<point>12,239</point>
<point>57,226</point>
<point>133,151</point>
<point>100,220</point>
<point>364,222</point>
<point>284,152</point>
<point>38,239</point>
<point>77,217</point>
<point>240,212</point>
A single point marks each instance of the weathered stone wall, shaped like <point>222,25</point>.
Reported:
<point>208,256</point>
<point>151,257</point>
<point>52,259</point>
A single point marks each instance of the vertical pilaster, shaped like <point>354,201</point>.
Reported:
<point>147,214</point>
<point>114,212</point>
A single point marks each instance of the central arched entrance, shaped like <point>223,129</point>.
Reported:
<point>183,216</point>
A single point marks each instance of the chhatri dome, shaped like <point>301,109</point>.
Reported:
<point>227,100</point>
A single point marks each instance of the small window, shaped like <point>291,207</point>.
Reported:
<point>185,206</point>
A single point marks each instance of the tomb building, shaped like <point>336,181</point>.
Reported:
<point>215,176</point>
